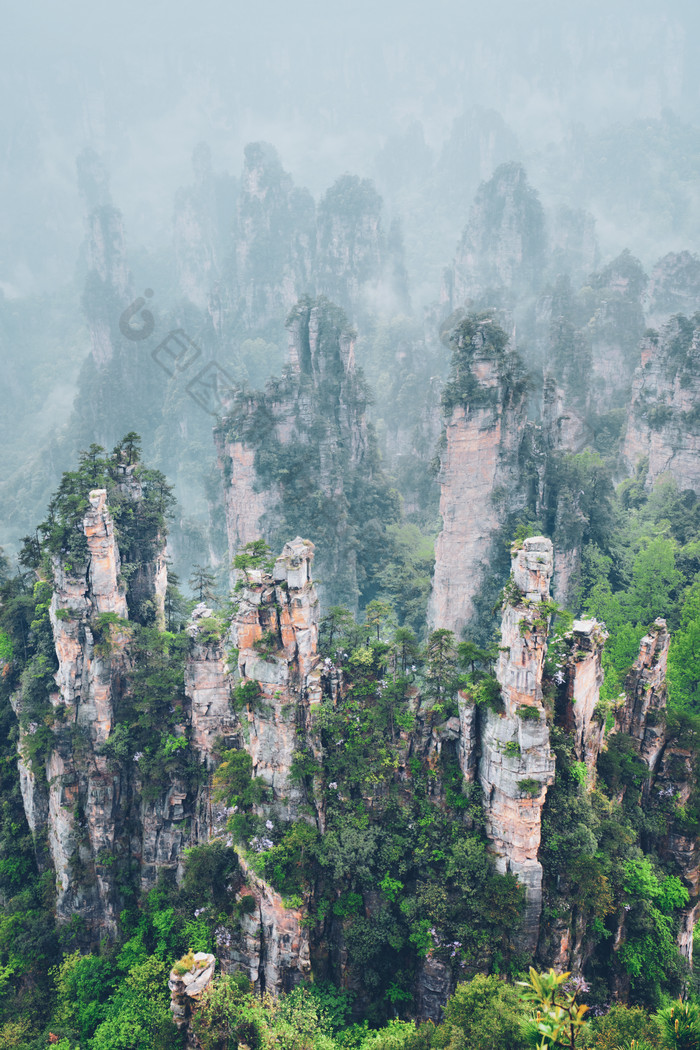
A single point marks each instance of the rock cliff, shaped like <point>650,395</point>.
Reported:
<point>203,217</point>
<point>107,291</point>
<point>584,677</point>
<point>98,815</point>
<point>300,457</point>
<point>357,265</point>
<point>76,788</point>
<point>674,288</point>
<point>275,631</point>
<point>275,235</point>
<point>503,245</point>
<point>517,765</point>
<point>663,423</point>
<point>670,752</point>
<point>481,481</point>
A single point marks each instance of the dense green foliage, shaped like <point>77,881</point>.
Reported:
<point>401,873</point>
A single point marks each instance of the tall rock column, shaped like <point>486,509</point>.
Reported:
<point>671,757</point>
<point>480,474</point>
<point>298,457</point>
<point>84,792</point>
<point>208,687</point>
<point>663,423</point>
<point>517,765</point>
<point>275,631</point>
<point>642,715</point>
<point>584,677</point>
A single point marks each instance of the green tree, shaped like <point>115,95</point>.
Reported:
<point>483,1014</point>
<point>378,615</point>
<point>139,1015</point>
<point>128,450</point>
<point>559,1017</point>
<point>202,583</point>
<point>655,581</point>
<point>406,649</point>
<point>680,1024</point>
<point>683,674</point>
<point>255,555</point>
<point>334,628</point>
<point>441,672</point>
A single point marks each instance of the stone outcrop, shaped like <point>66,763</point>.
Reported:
<point>435,983</point>
<point>584,677</point>
<point>97,815</point>
<point>674,288</point>
<point>614,330</point>
<point>208,686</point>
<point>517,765</point>
<point>275,631</point>
<point>672,760</point>
<point>468,738</point>
<point>480,475</point>
<point>203,216</point>
<point>107,286</point>
<point>290,455</point>
<point>663,422</point>
<point>186,990</point>
<point>357,266</point>
<point>78,792</point>
<point>503,245</point>
<point>573,243</point>
<point>645,691</point>
<point>275,238</point>
<point>274,951</point>
<point>247,503</point>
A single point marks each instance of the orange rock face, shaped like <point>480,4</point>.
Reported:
<point>517,765</point>
<point>479,480</point>
<point>276,632</point>
<point>584,674</point>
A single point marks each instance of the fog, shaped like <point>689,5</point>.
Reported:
<point>325,83</point>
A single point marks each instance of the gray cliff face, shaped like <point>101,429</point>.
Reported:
<point>107,285</point>
<point>273,948</point>
<point>480,477</point>
<point>517,765</point>
<point>615,330</point>
<point>94,809</point>
<point>311,420</point>
<point>275,632</point>
<point>587,343</point>
<point>274,240</point>
<point>78,793</point>
<point>98,813</point>
<point>208,687</point>
<point>503,245</point>
<point>358,267</point>
<point>645,691</point>
<point>674,288</point>
<point>663,423</point>
<point>672,761</point>
<point>584,677</point>
<point>202,226</point>
<point>573,243</point>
